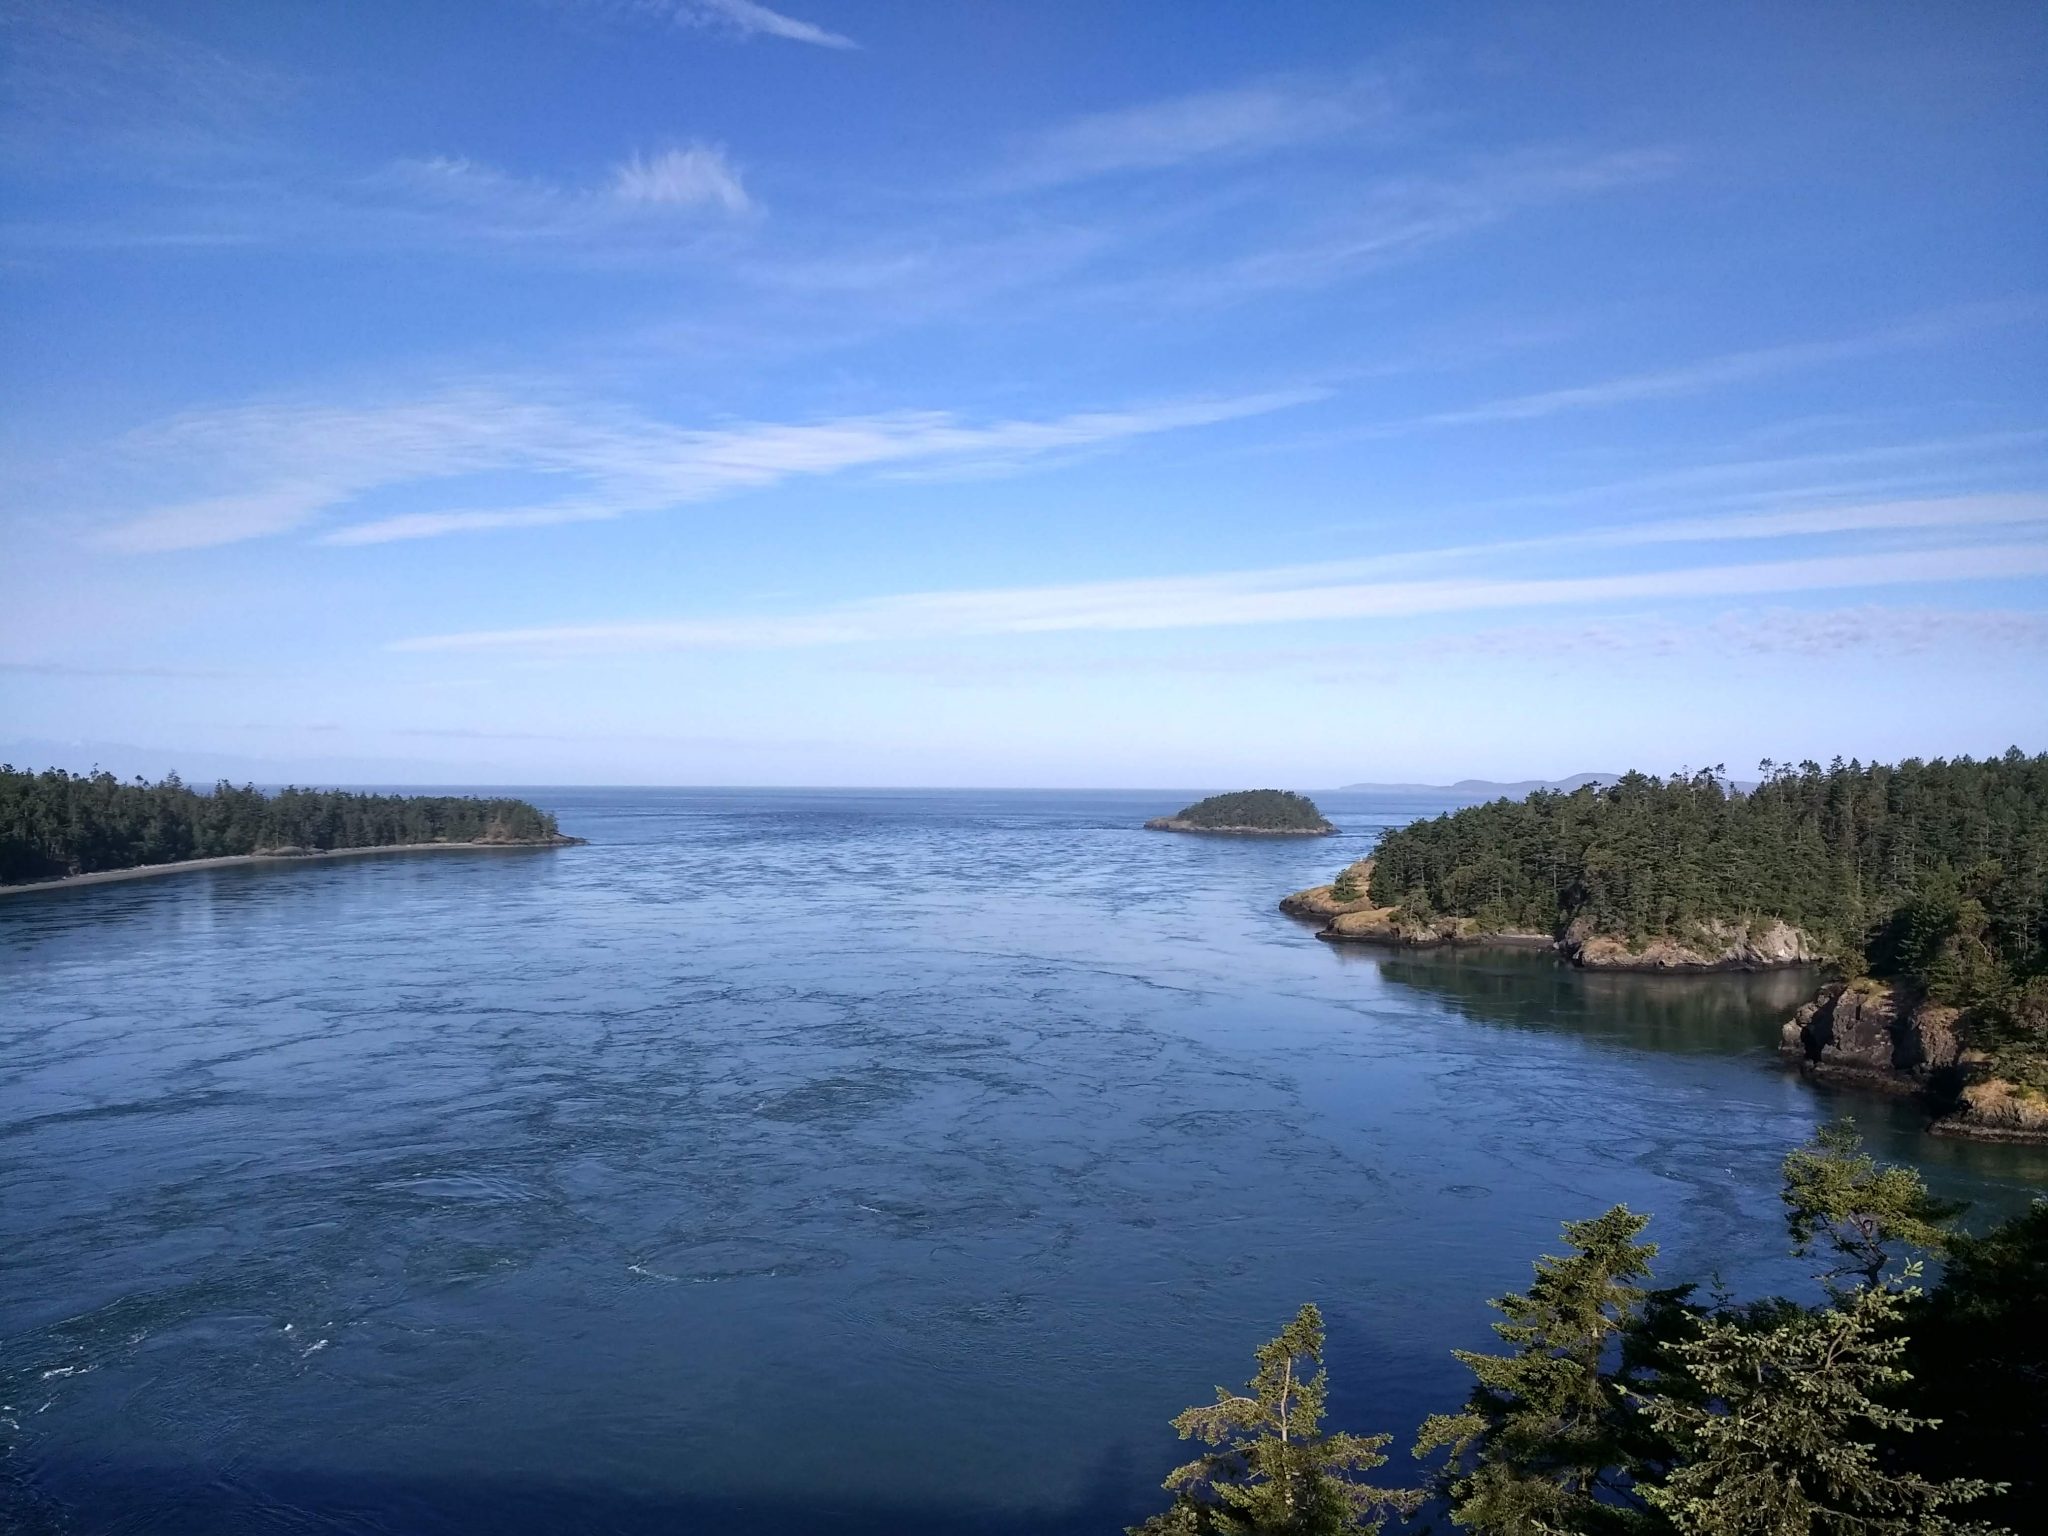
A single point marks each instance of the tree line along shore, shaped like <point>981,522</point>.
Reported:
<point>56,825</point>
<point>1922,887</point>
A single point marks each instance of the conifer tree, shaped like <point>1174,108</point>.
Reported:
<point>1547,1441</point>
<point>1840,1199</point>
<point>1979,1358</point>
<point>1272,1471</point>
<point>1779,1436</point>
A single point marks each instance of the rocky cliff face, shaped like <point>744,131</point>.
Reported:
<point>1879,1035</point>
<point>1872,1031</point>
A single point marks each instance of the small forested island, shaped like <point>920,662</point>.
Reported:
<point>1922,886</point>
<point>1249,813</point>
<point>65,826</point>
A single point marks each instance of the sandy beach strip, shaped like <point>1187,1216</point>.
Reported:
<point>311,856</point>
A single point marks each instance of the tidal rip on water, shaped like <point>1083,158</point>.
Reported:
<point>1013,1129</point>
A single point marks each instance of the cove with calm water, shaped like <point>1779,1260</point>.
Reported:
<point>835,1162</point>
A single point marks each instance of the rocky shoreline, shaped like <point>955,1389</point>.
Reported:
<point>1864,1033</point>
<point>281,855</point>
<point>1717,947</point>
<point>1880,1036</point>
<point>1180,824</point>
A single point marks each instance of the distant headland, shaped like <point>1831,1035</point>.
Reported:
<point>59,828</point>
<point>1918,885</point>
<point>1249,813</point>
<point>1485,789</point>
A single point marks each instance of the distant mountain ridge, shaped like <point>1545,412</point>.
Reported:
<point>1484,789</point>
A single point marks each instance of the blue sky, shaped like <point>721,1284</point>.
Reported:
<point>685,391</point>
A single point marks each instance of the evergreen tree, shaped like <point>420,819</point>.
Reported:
<point>1272,1471</point>
<point>1548,1439</point>
<point>1978,1353</point>
<point>1839,1198</point>
<point>1779,1436</point>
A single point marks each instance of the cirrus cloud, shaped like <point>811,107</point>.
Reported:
<point>298,464</point>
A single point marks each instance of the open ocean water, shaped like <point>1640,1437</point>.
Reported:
<point>834,1162</point>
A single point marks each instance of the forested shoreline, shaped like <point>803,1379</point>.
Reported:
<point>55,824</point>
<point>1933,875</point>
<point>1619,1407</point>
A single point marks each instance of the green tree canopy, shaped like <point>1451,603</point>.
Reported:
<point>1978,1352</point>
<point>57,823</point>
<point>1544,1442</point>
<point>1266,810</point>
<point>1840,1199</point>
<point>1781,1436</point>
<point>1271,1469</point>
<point>1935,870</point>
<point>1931,873</point>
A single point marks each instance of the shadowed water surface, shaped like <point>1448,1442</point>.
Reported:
<point>834,1162</point>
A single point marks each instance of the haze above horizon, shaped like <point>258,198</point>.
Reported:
<point>694,391</point>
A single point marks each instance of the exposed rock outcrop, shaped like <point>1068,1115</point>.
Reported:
<point>1355,919</point>
<point>1878,1034</point>
<point>1995,1110</point>
<point>1870,1033</point>
<point>1709,947</point>
<point>1873,1032</point>
<point>1714,947</point>
<point>1323,901</point>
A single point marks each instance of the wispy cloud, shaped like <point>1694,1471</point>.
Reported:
<point>1398,218</point>
<point>208,521</point>
<point>1730,368</point>
<point>298,464</point>
<point>1184,250</point>
<point>1725,475</point>
<point>1234,123</point>
<point>85,81</point>
<point>1776,631</point>
<point>1287,595</point>
<point>1945,513</point>
<point>681,178</point>
<point>683,198</point>
<point>476,199</point>
<point>1564,646</point>
<point>741,18</point>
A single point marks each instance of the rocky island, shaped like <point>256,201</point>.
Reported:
<point>1923,887</point>
<point>1249,813</point>
<point>59,828</point>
